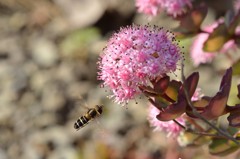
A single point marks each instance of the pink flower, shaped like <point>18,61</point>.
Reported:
<point>176,7</point>
<point>149,7</point>
<point>198,55</point>
<point>172,7</point>
<point>134,55</point>
<point>237,5</point>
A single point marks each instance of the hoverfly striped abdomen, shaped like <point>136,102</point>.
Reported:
<point>90,115</point>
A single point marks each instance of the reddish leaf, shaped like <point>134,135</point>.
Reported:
<point>233,109</point>
<point>217,105</point>
<point>169,96</point>
<point>173,111</point>
<point>233,20</point>
<point>227,78</point>
<point>192,21</point>
<point>148,91</point>
<point>237,41</point>
<point>179,107</point>
<point>191,84</point>
<point>234,116</point>
<point>161,85</point>
<point>159,103</point>
<point>234,119</point>
<point>199,105</point>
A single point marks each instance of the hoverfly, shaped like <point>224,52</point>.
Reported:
<point>91,114</point>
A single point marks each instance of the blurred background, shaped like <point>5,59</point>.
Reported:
<point>48,55</point>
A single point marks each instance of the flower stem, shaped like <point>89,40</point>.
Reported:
<point>179,124</point>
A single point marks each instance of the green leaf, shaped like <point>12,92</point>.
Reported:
<point>190,139</point>
<point>217,39</point>
<point>76,44</point>
<point>238,95</point>
<point>236,68</point>
<point>173,88</point>
<point>222,147</point>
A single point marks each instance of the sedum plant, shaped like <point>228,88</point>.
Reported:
<point>139,58</point>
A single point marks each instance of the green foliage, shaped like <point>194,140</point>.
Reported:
<point>217,39</point>
<point>236,68</point>
<point>77,43</point>
<point>222,147</point>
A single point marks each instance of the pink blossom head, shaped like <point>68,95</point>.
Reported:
<point>176,7</point>
<point>149,7</point>
<point>172,7</point>
<point>237,5</point>
<point>169,127</point>
<point>199,55</point>
<point>135,55</point>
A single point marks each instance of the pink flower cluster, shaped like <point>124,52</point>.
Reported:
<point>198,55</point>
<point>236,4</point>
<point>172,7</point>
<point>134,55</point>
<point>170,127</point>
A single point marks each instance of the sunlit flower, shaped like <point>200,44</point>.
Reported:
<point>199,55</point>
<point>134,55</point>
<point>172,7</point>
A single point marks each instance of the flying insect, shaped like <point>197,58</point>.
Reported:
<point>90,115</point>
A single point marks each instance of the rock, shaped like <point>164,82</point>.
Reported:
<point>81,13</point>
<point>43,51</point>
